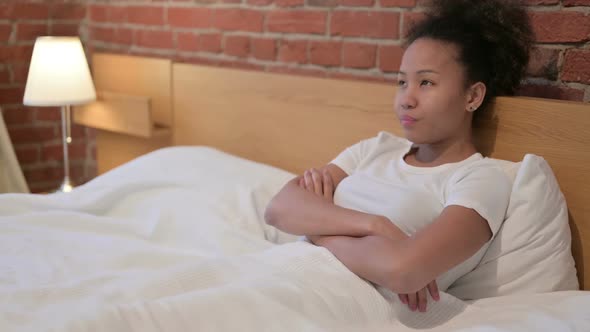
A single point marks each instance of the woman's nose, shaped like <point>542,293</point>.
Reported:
<point>408,99</point>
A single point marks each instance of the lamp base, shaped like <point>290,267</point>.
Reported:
<point>66,186</point>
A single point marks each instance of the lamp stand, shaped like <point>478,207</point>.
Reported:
<point>67,185</point>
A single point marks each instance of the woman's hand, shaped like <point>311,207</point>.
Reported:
<point>419,299</point>
<point>319,183</point>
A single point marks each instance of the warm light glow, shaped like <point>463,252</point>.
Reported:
<point>58,74</point>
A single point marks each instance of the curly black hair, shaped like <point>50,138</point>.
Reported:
<point>494,38</point>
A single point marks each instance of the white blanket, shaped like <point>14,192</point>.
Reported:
<point>175,241</point>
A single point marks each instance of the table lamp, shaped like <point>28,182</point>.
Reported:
<point>59,76</point>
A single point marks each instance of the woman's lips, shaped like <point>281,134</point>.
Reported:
<point>407,121</point>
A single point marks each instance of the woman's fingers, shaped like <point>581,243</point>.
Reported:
<point>403,298</point>
<point>317,181</point>
<point>422,300</point>
<point>308,180</point>
<point>328,186</point>
<point>413,301</point>
<point>433,290</point>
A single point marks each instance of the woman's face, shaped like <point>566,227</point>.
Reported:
<point>431,101</point>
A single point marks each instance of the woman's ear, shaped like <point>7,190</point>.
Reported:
<point>475,96</point>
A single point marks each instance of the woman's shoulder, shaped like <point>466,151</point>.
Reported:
<point>493,171</point>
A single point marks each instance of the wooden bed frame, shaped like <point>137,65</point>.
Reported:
<point>295,122</point>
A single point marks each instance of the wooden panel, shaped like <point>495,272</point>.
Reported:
<point>114,149</point>
<point>557,131</point>
<point>290,122</point>
<point>137,76</point>
<point>117,112</point>
<point>298,122</point>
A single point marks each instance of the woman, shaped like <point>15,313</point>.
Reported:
<point>408,214</point>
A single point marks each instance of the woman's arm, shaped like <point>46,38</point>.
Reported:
<point>406,266</point>
<point>296,210</point>
<point>305,207</point>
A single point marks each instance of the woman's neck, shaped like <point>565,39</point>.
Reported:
<point>440,153</point>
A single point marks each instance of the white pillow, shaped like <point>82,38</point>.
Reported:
<point>532,251</point>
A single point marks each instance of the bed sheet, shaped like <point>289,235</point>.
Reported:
<point>175,241</point>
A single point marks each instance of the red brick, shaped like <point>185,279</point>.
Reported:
<point>98,13</point>
<point>16,53</point>
<point>32,134</point>
<point>260,2</point>
<point>238,19</point>
<point>55,151</point>
<point>264,48</point>
<point>30,31</point>
<point>297,21</point>
<point>576,66</point>
<point>571,3</point>
<point>540,2</point>
<point>289,3</point>
<point>154,39</point>
<point>68,11</point>
<point>359,55</point>
<point>101,34</point>
<point>323,3</point>
<point>48,114</point>
<point>325,53</point>
<point>77,132</point>
<point>112,35</point>
<point>357,3</point>
<point>551,92</point>
<point>47,173</point>
<point>27,154</point>
<point>31,11</point>
<point>210,42</point>
<point>398,3</point>
<point>365,24</point>
<point>190,17</point>
<point>18,115</point>
<point>148,15</point>
<point>65,29</point>
<point>20,71</point>
<point>187,41</point>
<point>123,36</point>
<point>5,31</point>
<point>237,46</point>
<point>561,27</point>
<point>11,95</point>
<point>390,57</point>
<point>293,51</point>
<point>4,76</point>
<point>543,63</point>
<point>6,11</point>
<point>106,13</point>
<point>409,19</point>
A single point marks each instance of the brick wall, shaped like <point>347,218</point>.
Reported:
<point>36,131</point>
<point>357,39</point>
<point>328,38</point>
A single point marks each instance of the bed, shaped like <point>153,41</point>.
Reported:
<point>170,236</point>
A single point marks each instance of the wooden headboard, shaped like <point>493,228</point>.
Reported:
<point>296,122</point>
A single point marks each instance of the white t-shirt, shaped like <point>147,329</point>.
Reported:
<point>380,182</point>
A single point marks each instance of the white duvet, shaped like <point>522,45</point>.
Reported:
<point>175,241</point>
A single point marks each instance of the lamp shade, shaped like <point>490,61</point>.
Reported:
<point>58,73</point>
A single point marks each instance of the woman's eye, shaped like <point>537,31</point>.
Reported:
<point>426,83</point>
<point>401,82</point>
